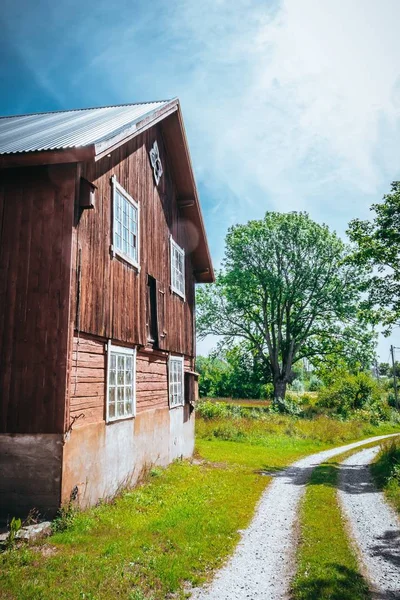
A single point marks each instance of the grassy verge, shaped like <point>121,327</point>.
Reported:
<point>149,543</point>
<point>327,565</point>
<point>386,471</point>
<point>172,532</point>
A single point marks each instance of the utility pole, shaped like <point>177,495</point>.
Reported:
<point>394,377</point>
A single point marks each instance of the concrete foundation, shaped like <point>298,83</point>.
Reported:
<point>30,474</point>
<point>100,459</point>
<point>93,462</point>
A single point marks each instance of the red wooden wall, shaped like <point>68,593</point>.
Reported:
<point>36,218</point>
<point>113,293</point>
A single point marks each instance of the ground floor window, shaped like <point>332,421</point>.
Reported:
<point>121,382</point>
<point>175,381</point>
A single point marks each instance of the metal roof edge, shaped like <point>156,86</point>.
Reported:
<point>127,132</point>
<point>66,110</point>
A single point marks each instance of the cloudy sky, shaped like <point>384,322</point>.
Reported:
<point>288,105</point>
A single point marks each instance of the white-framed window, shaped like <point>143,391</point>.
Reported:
<point>177,269</point>
<point>126,224</point>
<point>121,382</point>
<point>176,381</point>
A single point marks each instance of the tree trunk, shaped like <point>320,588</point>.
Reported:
<point>279,390</point>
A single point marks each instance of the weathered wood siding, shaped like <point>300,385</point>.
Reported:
<point>36,217</point>
<point>113,293</point>
<point>89,374</point>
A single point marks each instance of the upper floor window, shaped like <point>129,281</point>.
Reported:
<point>177,269</point>
<point>121,375</point>
<point>125,224</point>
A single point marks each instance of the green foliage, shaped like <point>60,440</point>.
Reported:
<point>378,250</point>
<point>384,369</point>
<point>232,373</point>
<point>289,405</point>
<point>65,518</point>
<point>211,410</point>
<point>14,527</point>
<point>315,384</point>
<point>286,290</point>
<point>349,393</point>
<point>214,376</point>
<point>297,386</point>
<point>386,471</point>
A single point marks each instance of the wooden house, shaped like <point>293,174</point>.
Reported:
<point>101,244</point>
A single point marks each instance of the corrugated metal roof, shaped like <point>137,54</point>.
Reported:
<point>70,128</point>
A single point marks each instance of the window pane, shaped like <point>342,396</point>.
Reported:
<point>111,410</point>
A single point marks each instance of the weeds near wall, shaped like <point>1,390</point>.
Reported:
<point>65,518</point>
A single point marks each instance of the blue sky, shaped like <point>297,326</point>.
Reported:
<point>288,105</point>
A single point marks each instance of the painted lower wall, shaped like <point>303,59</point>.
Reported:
<point>30,474</point>
<point>100,459</point>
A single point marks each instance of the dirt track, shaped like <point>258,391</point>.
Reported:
<point>374,525</point>
<point>263,563</point>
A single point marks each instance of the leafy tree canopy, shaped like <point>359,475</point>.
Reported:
<point>378,250</point>
<point>287,291</point>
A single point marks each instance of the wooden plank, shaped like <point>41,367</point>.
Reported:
<point>86,390</point>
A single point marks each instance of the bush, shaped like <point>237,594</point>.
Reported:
<point>297,386</point>
<point>315,384</point>
<point>290,405</point>
<point>352,393</point>
<point>212,410</point>
<point>267,391</point>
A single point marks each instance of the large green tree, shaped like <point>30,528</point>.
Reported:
<point>285,289</point>
<point>378,250</point>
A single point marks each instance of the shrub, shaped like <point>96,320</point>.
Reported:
<point>297,386</point>
<point>289,405</point>
<point>315,384</point>
<point>267,391</point>
<point>212,410</point>
<point>350,393</point>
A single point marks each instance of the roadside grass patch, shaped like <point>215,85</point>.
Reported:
<point>386,471</point>
<point>150,542</point>
<point>263,429</point>
<point>327,567</point>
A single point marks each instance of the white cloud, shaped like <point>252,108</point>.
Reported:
<point>297,103</point>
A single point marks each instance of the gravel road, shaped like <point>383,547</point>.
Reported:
<point>263,563</point>
<point>374,525</point>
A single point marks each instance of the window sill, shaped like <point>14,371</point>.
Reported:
<point>176,406</point>
<point>119,419</point>
<point>125,258</point>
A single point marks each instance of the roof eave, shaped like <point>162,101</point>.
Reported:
<point>47,157</point>
<point>186,184</point>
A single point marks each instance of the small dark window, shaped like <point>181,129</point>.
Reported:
<point>152,328</point>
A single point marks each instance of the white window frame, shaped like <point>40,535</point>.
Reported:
<point>122,351</point>
<point>181,401</point>
<point>116,187</point>
<point>177,248</point>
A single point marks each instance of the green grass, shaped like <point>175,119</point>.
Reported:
<point>327,565</point>
<point>386,471</point>
<point>152,540</point>
<point>172,532</point>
